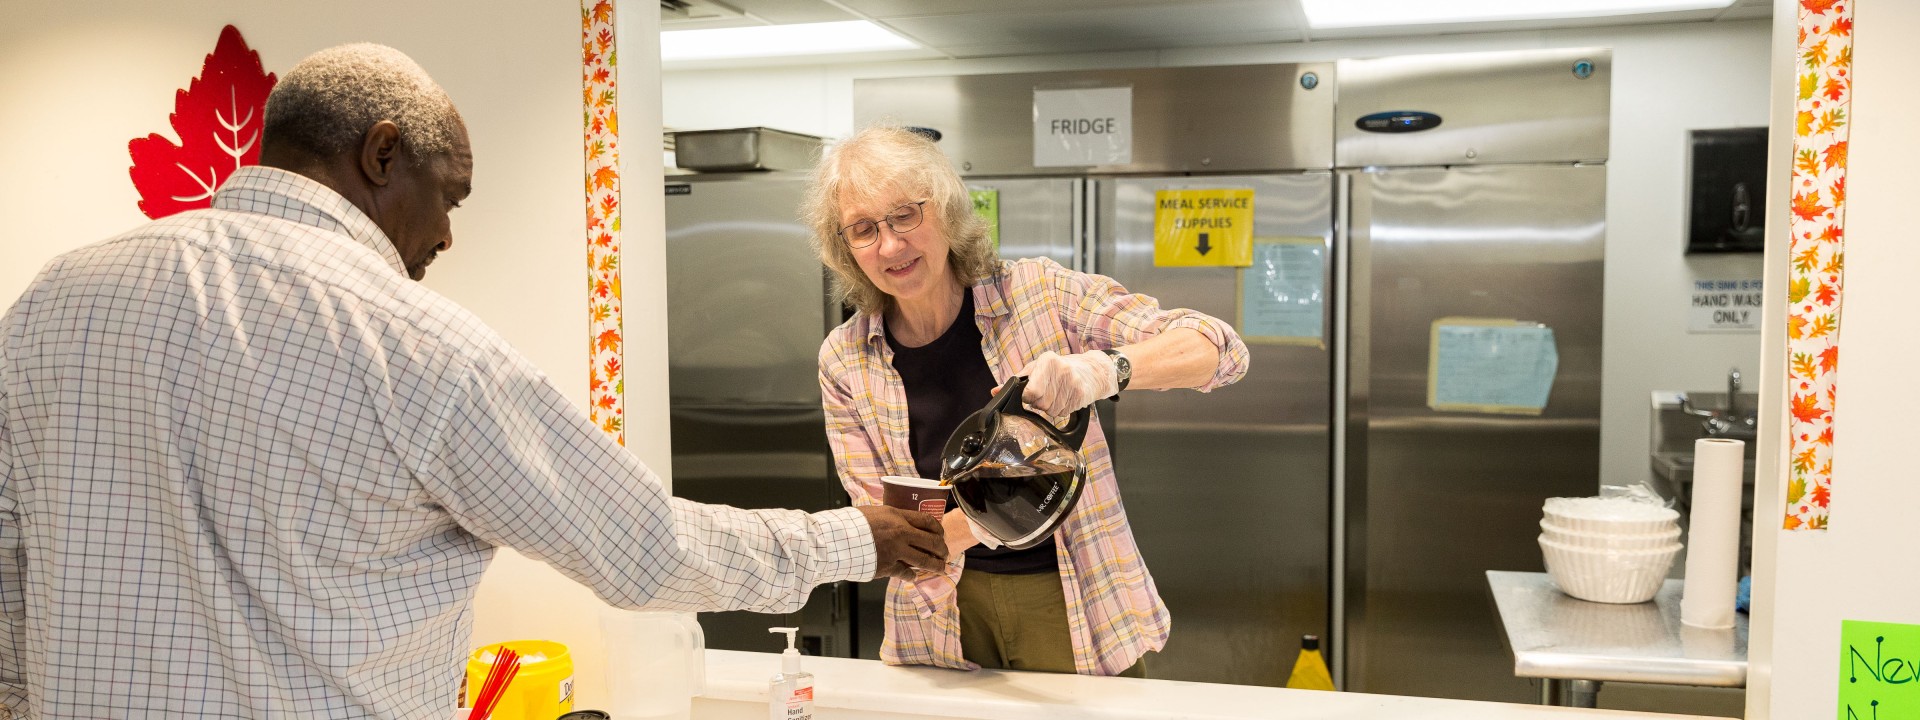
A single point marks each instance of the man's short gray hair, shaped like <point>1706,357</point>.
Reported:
<point>325,104</point>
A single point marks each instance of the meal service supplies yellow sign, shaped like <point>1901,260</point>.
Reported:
<point>1194,228</point>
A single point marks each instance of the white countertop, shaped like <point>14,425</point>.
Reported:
<point>846,688</point>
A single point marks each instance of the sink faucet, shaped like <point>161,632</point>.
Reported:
<point>1733,393</point>
<point>1729,421</point>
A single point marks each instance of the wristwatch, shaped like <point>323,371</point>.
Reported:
<point>1122,372</point>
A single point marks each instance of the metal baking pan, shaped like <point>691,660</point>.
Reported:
<point>743,149</point>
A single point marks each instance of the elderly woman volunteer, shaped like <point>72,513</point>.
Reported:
<point>940,324</point>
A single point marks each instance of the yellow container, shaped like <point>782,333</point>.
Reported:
<point>1310,669</point>
<point>543,690</point>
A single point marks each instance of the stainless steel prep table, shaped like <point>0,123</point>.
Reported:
<point>1572,645</point>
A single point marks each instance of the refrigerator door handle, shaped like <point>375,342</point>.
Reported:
<point>1342,240</point>
<point>1083,218</point>
<point>1352,323</point>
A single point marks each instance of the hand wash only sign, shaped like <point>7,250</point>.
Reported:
<point>1879,671</point>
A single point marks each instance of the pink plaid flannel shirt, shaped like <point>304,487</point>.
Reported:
<point>1028,307</point>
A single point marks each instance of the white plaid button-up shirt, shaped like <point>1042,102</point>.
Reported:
<point>248,468</point>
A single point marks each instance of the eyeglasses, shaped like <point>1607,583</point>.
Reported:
<point>864,233</point>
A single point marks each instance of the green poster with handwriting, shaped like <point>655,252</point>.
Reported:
<point>986,204</point>
<point>1879,671</point>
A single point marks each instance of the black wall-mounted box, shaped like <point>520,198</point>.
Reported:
<point>1727,190</point>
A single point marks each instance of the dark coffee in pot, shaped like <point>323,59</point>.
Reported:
<point>1014,473</point>
<point>1021,505</point>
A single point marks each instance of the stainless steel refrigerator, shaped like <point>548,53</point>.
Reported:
<point>1325,494</point>
<point>1498,213</point>
<point>1227,493</point>
<point>747,307</point>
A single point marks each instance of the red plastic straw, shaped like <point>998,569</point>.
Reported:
<point>506,664</point>
<point>482,698</point>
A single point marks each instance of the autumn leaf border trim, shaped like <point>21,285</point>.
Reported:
<point>1817,222</point>
<point>600,125</point>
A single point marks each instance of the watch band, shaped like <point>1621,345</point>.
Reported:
<point>1122,371</point>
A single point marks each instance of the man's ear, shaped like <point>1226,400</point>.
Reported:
<point>379,152</point>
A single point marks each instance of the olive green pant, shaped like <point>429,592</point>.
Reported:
<point>1018,622</point>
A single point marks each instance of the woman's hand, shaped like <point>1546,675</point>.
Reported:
<point>959,533</point>
<point>1060,384</point>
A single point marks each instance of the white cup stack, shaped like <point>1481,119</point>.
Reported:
<point>1611,550</point>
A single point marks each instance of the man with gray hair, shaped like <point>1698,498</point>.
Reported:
<point>249,469</point>
<point>342,116</point>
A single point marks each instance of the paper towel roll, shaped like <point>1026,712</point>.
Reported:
<point>1709,644</point>
<point>1713,534</point>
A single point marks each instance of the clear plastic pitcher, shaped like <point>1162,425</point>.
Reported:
<point>656,663</point>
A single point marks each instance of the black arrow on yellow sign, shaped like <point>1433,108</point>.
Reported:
<point>1203,247</point>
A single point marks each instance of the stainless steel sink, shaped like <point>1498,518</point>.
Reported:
<point>1674,430</point>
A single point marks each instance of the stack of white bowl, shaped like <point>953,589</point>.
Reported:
<point>1612,550</point>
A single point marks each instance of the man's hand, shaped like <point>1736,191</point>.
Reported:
<point>905,541</point>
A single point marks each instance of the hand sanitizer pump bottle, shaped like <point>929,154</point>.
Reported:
<point>790,693</point>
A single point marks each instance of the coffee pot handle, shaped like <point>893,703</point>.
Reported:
<point>1073,435</point>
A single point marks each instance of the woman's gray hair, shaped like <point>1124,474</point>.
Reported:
<point>324,105</point>
<point>879,164</point>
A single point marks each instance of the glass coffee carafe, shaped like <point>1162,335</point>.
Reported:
<point>1013,472</point>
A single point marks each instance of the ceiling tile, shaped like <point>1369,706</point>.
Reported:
<point>1747,9</point>
<point>917,8</point>
<point>790,12</point>
<point>1746,13</point>
<point>1683,16</point>
<point>760,12</point>
<point>1052,47</point>
<point>995,28</point>
<point>1141,27</point>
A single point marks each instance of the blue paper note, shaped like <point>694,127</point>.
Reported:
<point>1283,294</point>
<point>1492,366</point>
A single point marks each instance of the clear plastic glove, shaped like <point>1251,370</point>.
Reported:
<point>1060,384</point>
<point>961,534</point>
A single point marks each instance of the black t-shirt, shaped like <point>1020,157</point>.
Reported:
<point>946,381</point>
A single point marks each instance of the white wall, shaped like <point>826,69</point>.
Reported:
<point>81,79</point>
<point>1666,80</point>
<point>1862,567</point>
<point>1769,489</point>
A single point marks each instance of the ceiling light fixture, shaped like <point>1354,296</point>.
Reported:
<point>768,41</point>
<point>1326,14</point>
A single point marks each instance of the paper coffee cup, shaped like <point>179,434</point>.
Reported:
<point>912,493</point>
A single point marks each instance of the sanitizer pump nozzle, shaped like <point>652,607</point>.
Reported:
<point>789,660</point>
<point>791,692</point>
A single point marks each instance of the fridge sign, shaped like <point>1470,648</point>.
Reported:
<point>1203,228</point>
<point>1080,128</point>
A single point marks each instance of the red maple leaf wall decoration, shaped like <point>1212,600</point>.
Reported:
<point>218,118</point>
